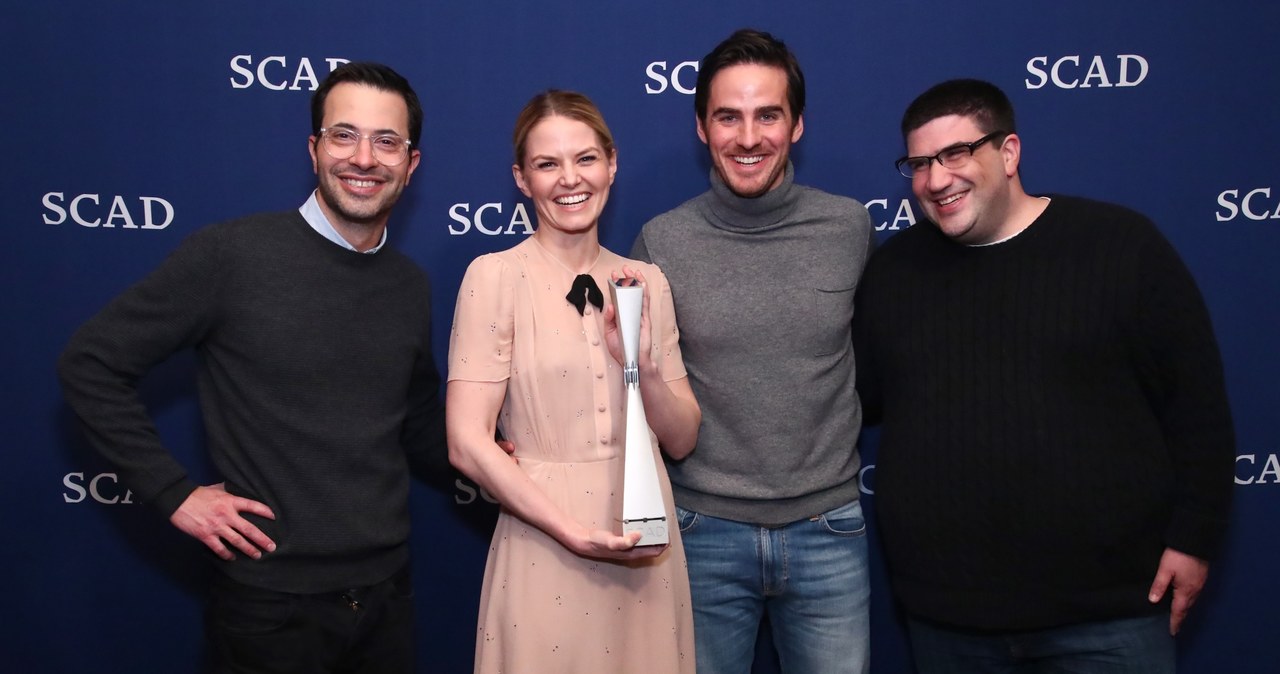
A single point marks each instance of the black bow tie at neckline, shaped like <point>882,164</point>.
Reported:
<point>584,289</point>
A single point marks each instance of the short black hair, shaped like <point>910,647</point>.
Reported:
<point>375,75</point>
<point>984,102</point>
<point>752,46</point>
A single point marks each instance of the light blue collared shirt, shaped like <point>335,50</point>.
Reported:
<point>310,210</point>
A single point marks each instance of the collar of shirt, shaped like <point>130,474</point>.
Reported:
<point>310,210</point>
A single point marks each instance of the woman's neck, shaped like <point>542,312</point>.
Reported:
<point>578,252</point>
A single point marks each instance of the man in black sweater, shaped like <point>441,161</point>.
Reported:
<point>1056,458</point>
<point>316,381</point>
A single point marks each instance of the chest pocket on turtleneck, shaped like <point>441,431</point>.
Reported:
<point>832,314</point>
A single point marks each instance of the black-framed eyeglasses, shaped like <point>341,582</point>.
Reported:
<point>951,157</point>
<point>341,142</point>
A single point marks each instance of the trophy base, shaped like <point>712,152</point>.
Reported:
<point>653,530</point>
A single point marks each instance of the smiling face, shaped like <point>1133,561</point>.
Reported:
<point>749,127</point>
<point>567,173</point>
<point>971,204</point>
<point>357,193</point>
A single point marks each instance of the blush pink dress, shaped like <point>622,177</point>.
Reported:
<point>544,608</point>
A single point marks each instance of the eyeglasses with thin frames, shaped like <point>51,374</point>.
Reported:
<point>340,142</point>
<point>952,157</point>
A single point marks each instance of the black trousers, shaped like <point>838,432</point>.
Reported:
<point>366,630</point>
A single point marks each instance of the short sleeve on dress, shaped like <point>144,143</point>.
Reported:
<point>483,322</point>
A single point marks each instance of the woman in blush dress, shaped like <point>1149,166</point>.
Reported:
<point>535,352</point>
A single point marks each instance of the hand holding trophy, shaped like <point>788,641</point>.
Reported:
<point>642,507</point>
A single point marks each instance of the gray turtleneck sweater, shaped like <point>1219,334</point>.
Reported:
<point>763,291</point>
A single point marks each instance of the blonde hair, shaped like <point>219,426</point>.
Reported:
<point>568,104</point>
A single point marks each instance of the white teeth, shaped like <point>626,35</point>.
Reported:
<point>572,199</point>
<point>749,160</point>
<point>361,183</point>
<point>950,200</point>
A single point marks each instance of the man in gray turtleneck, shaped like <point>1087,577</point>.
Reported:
<point>763,273</point>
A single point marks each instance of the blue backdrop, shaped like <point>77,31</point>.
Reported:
<point>129,125</point>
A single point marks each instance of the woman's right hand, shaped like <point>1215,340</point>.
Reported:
<point>602,544</point>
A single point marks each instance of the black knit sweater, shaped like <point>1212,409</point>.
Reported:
<point>315,377</point>
<point>1054,416</point>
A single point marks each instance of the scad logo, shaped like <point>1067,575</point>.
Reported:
<point>468,493</point>
<point>1126,70</point>
<point>903,215</point>
<point>278,73</point>
<point>92,210</point>
<point>864,479</point>
<point>489,219</point>
<point>1256,469</point>
<point>681,77</point>
<point>1256,204</point>
<point>104,488</point>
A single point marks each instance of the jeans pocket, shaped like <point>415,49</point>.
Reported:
<point>686,519</point>
<point>847,520</point>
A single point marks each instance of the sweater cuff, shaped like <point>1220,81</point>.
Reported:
<point>169,498</point>
<point>1196,534</point>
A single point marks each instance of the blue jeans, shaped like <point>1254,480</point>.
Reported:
<point>1128,646</point>
<point>810,576</point>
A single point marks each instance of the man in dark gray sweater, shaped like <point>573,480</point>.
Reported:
<point>316,378</point>
<point>763,273</point>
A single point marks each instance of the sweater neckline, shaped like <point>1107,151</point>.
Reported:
<point>1027,237</point>
<point>328,248</point>
<point>1018,233</point>
<point>753,214</point>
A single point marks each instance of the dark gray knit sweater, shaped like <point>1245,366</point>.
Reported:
<point>315,377</point>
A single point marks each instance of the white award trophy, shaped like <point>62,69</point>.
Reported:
<point>642,508</point>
